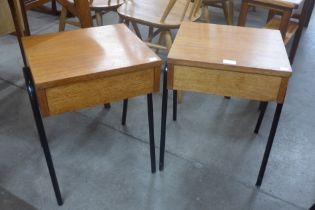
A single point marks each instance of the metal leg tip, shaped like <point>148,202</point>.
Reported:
<point>107,106</point>
<point>258,183</point>
<point>60,202</point>
<point>161,167</point>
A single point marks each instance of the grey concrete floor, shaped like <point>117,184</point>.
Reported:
<point>212,157</point>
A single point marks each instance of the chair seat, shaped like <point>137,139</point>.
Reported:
<point>103,4</point>
<point>149,12</point>
<point>283,3</point>
<point>274,23</point>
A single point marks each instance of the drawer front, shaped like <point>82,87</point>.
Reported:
<point>83,94</point>
<point>227,83</point>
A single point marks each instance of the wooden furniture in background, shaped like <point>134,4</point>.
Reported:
<point>99,7</point>
<point>310,12</point>
<point>161,16</point>
<point>226,5</point>
<point>289,23</point>
<point>6,21</point>
<point>80,70</point>
<point>39,5</point>
<point>253,64</point>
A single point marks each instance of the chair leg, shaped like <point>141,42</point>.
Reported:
<point>168,40</point>
<point>124,114</point>
<point>163,120</point>
<point>151,132</point>
<point>160,42</point>
<point>295,44</point>
<point>136,29</point>
<point>269,144</point>
<point>298,34</point>
<point>99,18</point>
<point>243,14</point>
<point>271,14</point>
<point>175,105</point>
<point>285,19</point>
<point>228,9</point>
<point>309,13</point>
<point>150,34</point>
<point>205,12</point>
<point>263,107</point>
<point>41,132</point>
<point>62,19</point>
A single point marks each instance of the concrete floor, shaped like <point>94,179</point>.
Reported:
<point>212,157</point>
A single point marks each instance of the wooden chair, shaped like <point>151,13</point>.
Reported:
<point>39,6</point>
<point>89,76</point>
<point>99,7</point>
<point>160,16</point>
<point>226,5</point>
<point>289,23</point>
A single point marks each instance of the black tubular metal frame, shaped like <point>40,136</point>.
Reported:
<point>261,116</point>
<point>41,132</point>
<point>43,138</point>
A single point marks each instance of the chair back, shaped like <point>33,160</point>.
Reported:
<point>196,4</point>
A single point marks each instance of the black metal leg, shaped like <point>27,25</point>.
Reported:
<point>107,106</point>
<point>269,144</point>
<point>151,132</point>
<point>174,105</point>
<point>163,120</point>
<point>42,134</point>
<point>263,107</point>
<point>260,105</point>
<point>124,115</point>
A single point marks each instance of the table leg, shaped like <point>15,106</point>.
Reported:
<point>262,107</point>
<point>175,105</point>
<point>41,132</point>
<point>124,115</point>
<point>107,106</point>
<point>151,132</point>
<point>163,120</point>
<point>269,144</point>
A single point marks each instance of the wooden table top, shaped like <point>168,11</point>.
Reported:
<point>230,48</point>
<point>82,54</point>
<point>284,3</point>
<point>150,12</point>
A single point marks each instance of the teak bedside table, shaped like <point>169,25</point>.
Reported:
<point>86,67</point>
<point>229,61</point>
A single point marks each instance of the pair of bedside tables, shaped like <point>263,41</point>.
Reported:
<point>82,68</point>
